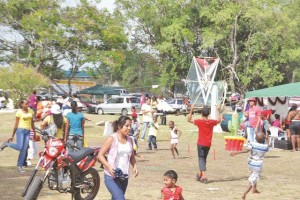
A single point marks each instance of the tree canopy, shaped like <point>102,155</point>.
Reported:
<point>146,42</point>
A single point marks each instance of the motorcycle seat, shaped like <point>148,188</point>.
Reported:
<point>79,155</point>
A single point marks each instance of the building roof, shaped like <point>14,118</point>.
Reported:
<point>79,74</point>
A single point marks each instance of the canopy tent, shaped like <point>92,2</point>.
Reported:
<point>278,98</point>
<point>286,90</point>
<point>100,90</point>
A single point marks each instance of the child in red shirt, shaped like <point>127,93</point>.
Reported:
<point>205,131</point>
<point>171,191</point>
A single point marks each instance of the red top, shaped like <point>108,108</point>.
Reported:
<point>205,130</point>
<point>169,195</point>
<point>254,113</point>
<point>266,113</point>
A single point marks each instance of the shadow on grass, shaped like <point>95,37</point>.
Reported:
<point>183,157</point>
<point>229,179</point>
<point>147,152</point>
<point>164,149</point>
<point>144,160</point>
<point>272,156</point>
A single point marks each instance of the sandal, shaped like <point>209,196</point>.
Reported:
<point>204,180</point>
<point>198,177</point>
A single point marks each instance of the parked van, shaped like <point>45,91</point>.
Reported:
<point>122,92</point>
<point>119,105</point>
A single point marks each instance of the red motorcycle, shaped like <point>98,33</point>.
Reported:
<point>65,172</point>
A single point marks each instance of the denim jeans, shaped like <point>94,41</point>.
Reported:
<point>146,124</point>
<point>79,144</point>
<point>116,187</point>
<point>202,155</point>
<point>152,140</point>
<point>22,137</point>
<point>251,134</point>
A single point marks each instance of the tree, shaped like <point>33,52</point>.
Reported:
<point>81,36</point>
<point>257,41</point>
<point>19,81</point>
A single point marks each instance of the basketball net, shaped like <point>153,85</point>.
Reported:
<point>201,77</point>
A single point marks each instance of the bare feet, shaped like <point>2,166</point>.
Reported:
<point>255,191</point>
<point>244,197</point>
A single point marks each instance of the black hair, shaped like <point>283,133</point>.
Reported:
<point>120,122</point>
<point>294,107</point>
<point>260,138</point>
<point>60,104</point>
<point>74,106</point>
<point>34,92</point>
<point>58,120</point>
<point>171,174</point>
<point>21,102</point>
<point>277,116</point>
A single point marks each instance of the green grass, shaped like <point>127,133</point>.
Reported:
<point>227,175</point>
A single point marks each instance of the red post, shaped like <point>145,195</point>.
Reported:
<point>214,154</point>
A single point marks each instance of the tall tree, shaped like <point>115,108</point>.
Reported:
<point>248,36</point>
<point>82,36</point>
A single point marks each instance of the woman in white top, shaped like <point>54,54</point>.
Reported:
<point>120,155</point>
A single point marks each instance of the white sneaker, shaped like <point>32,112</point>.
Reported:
<point>21,170</point>
<point>28,163</point>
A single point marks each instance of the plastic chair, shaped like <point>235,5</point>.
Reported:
<point>274,134</point>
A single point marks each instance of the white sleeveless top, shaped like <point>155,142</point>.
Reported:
<point>174,136</point>
<point>122,161</point>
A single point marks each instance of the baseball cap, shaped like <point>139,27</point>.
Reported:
<point>252,99</point>
<point>55,109</point>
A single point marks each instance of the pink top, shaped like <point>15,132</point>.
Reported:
<point>254,113</point>
<point>276,123</point>
<point>32,101</point>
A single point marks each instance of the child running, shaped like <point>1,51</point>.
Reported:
<point>205,131</point>
<point>257,150</point>
<point>174,137</point>
<point>152,134</point>
<point>171,191</point>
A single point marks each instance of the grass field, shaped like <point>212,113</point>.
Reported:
<point>227,175</point>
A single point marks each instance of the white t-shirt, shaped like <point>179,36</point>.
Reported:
<point>152,130</point>
<point>122,161</point>
<point>147,117</point>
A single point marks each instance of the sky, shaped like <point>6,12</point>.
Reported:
<point>8,34</point>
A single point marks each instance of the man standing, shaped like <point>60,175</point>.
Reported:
<point>254,114</point>
<point>33,103</point>
<point>147,116</point>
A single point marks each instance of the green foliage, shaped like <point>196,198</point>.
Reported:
<point>19,81</point>
<point>256,40</point>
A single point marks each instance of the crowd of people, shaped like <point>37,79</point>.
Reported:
<point>119,150</point>
<point>64,119</point>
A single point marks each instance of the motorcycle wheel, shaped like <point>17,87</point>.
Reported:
<point>34,189</point>
<point>90,184</point>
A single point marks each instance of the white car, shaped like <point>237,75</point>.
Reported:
<point>176,104</point>
<point>119,105</point>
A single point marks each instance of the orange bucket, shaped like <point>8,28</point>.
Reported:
<point>234,143</point>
